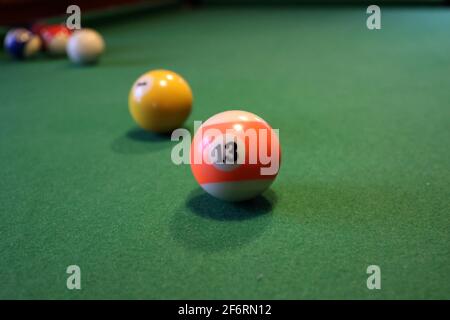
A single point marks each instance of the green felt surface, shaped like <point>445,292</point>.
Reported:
<point>364,127</point>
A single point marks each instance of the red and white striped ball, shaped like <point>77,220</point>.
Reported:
<point>235,155</point>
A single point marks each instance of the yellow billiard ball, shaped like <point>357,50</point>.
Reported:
<point>160,101</point>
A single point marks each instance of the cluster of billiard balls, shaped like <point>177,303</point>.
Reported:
<point>161,100</point>
<point>82,46</point>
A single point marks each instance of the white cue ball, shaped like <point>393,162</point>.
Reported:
<point>85,46</point>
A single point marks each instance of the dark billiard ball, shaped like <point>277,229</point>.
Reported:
<point>21,43</point>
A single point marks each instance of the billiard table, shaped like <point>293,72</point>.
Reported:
<point>364,125</point>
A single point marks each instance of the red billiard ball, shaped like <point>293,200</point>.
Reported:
<point>55,38</point>
<point>235,155</point>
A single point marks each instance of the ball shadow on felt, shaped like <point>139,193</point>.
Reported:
<point>137,141</point>
<point>208,224</point>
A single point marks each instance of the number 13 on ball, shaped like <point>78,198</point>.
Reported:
<point>235,155</point>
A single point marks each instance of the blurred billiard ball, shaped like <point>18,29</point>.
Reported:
<point>85,46</point>
<point>54,38</point>
<point>160,101</point>
<point>21,43</point>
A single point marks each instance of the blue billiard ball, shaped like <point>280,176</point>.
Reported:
<point>21,43</point>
